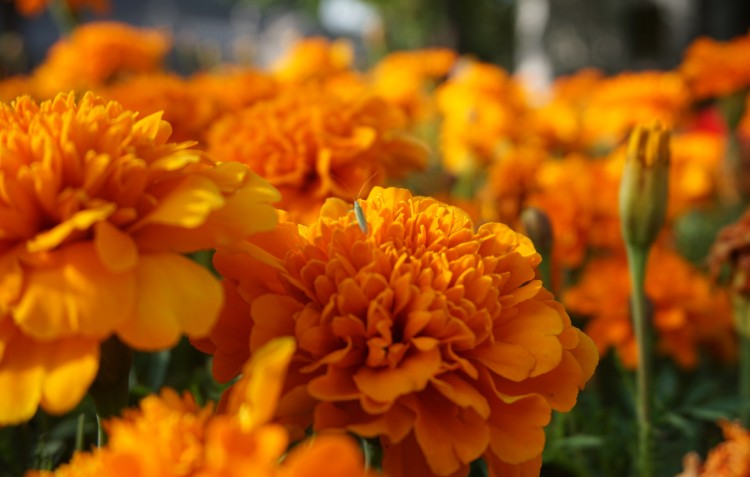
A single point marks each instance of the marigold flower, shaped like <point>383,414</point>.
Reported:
<point>312,144</point>
<point>510,179</point>
<point>687,312</point>
<point>713,68</point>
<point>187,109</point>
<point>97,53</point>
<point>421,331</point>
<point>559,122</point>
<point>564,189</point>
<point>96,207</point>
<point>171,435</point>
<point>620,103</point>
<point>404,78</point>
<point>731,458</point>
<point>314,58</point>
<point>481,108</point>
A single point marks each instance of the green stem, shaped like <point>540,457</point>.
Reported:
<point>79,432</point>
<point>111,386</point>
<point>637,259</point>
<point>741,316</point>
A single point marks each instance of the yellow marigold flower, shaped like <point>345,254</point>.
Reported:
<point>415,329</point>
<point>687,312</point>
<point>97,53</point>
<point>96,207</point>
<point>481,108</point>
<point>171,435</point>
<point>405,78</point>
<point>314,59</point>
<point>311,144</point>
<point>35,7</point>
<point>713,68</point>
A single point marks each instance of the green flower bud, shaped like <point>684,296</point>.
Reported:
<point>644,186</point>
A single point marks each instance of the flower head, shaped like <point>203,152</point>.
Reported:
<point>96,208</point>
<point>644,186</point>
<point>731,458</point>
<point>171,435</point>
<point>314,59</point>
<point>312,144</point>
<point>481,108</point>
<point>713,68</point>
<point>687,313</point>
<point>431,336</point>
<point>405,78</point>
<point>96,54</point>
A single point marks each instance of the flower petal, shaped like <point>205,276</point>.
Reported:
<point>175,296</point>
<point>71,292</point>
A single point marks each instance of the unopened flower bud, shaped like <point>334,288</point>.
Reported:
<point>537,227</point>
<point>644,186</point>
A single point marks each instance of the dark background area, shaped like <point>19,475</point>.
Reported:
<point>549,37</point>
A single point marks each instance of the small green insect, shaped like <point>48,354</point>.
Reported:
<point>358,212</point>
<point>360,215</point>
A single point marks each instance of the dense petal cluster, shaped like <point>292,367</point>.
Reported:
<point>171,435</point>
<point>412,327</point>
<point>481,108</point>
<point>96,208</point>
<point>311,144</point>
<point>714,68</point>
<point>731,458</point>
<point>95,54</point>
<point>406,78</point>
<point>687,312</point>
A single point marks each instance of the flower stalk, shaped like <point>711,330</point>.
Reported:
<point>643,205</point>
<point>741,312</point>
<point>110,388</point>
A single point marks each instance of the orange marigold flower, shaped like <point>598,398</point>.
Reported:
<point>731,458</point>
<point>411,327</point>
<point>481,108</point>
<point>96,207</point>
<point>187,109</point>
<point>696,169</point>
<point>687,311</point>
<point>713,68</point>
<point>171,435</point>
<point>405,78</point>
<point>619,103</point>
<point>510,180</point>
<point>233,89</point>
<point>97,53</point>
<point>564,191</point>
<point>559,122</point>
<point>35,7</point>
<point>314,59</point>
<point>312,144</point>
